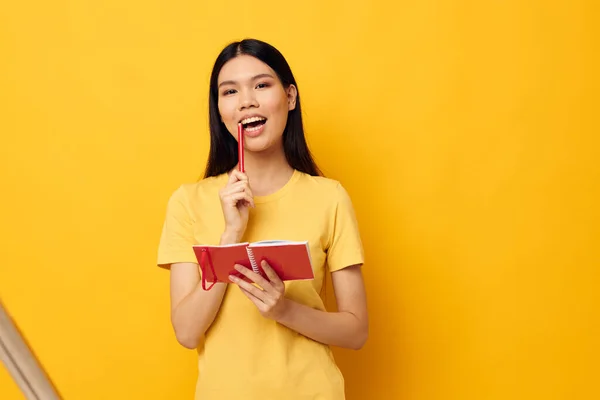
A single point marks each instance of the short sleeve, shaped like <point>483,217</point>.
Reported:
<point>346,247</point>
<point>177,236</point>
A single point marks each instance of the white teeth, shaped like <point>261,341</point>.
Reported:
<point>252,119</point>
<point>256,128</point>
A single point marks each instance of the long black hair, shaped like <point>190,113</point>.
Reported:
<point>223,155</point>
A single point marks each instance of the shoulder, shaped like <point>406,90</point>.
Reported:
<point>323,185</point>
<point>203,187</point>
<point>323,189</point>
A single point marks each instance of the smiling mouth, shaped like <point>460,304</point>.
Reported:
<point>253,123</point>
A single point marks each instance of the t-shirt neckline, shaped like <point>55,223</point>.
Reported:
<point>275,195</point>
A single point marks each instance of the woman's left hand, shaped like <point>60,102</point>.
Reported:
<point>269,297</point>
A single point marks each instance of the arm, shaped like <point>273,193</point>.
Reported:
<point>348,327</point>
<point>192,308</point>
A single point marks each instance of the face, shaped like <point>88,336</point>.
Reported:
<point>250,92</point>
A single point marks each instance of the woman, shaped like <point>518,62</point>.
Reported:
<point>270,340</point>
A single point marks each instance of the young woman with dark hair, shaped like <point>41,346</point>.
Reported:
<point>270,339</point>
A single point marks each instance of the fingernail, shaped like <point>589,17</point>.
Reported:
<point>233,278</point>
<point>237,267</point>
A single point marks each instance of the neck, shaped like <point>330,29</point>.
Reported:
<point>267,171</point>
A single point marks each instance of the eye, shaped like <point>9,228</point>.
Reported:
<point>262,85</point>
<point>228,92</point>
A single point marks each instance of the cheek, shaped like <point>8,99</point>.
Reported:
<point>278,108</point>
<point>226,110</point>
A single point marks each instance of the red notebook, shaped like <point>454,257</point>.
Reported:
<point>290,260</point>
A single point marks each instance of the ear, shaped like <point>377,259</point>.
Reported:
<point>292,95</point>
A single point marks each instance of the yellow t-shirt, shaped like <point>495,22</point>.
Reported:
<point>245,355</point>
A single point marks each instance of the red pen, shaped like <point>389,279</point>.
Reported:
<point>241,148</point>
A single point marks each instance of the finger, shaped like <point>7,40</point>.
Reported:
<point>254,277</point>
<point>243,187</point>
<point>236,184</point>
<point>232,178</point>
<point>249,191</point>
<point>237,175</point>
<point>250,288</point>
<point>257,302</point>
<point>241,184</point>
<point>271,274</point>
<point>238,187</point>
<point>232,200</point>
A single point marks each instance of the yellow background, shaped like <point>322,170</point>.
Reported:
<point>463,130</point>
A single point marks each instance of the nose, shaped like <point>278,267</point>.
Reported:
<point>247,100</point>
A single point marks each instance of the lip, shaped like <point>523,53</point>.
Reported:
<point>255,133</point>
<point>250,116</point>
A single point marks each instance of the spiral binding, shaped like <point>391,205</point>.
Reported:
<point>252,260</point>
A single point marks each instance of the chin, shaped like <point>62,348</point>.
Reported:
<point>263,145</point>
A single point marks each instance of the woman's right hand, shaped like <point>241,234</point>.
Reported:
<point>236,200</point>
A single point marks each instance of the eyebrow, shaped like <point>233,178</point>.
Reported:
<point>253,79</point>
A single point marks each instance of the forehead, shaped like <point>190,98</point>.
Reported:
<point>242,68</point>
